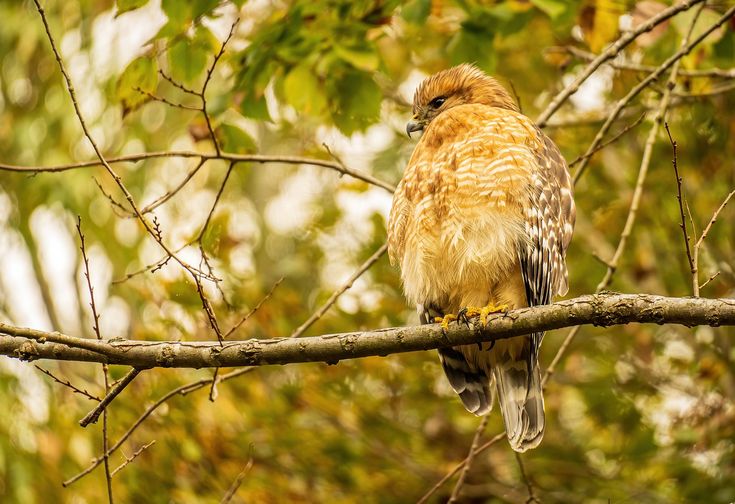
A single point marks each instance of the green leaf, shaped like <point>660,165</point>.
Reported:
<point>212,236</point>
<point>255,107</point>
<point>469,45</point>
<point>416,11</point>
<point>358,103</point>
<point>178,13</point>
<point>129,5</point>
<point>235,139</point>
<point>187,60</point>
<point>358,57</point>
<point>552,8</point>
<point>141,74</point>
<point>705,19</point>
<point>304,92</point>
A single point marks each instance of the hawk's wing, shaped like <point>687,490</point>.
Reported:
<point>549,223</point>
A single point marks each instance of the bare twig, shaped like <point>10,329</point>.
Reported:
<point>612,140</point>
<point>93,415</point>
<point>133,457</point>
<point>468,461</point>
<point>207,79</point>
<point>424,498</point>
<point>712,220</point>
<point>254,158</point>
<point>254,309</point>
<point>341,290</point>
<point>635,67</point>
<point>177,84</point>
<point>116,205</point>
<point>166,101</point>
<point>216,201</point>
<point>683,224</point>
<point>153,267</point>
<point>183,390</point>
<point>165,197</point>
<point>68,384</point>
<point>712,277</point>
<point>96,327</point>
<point>531,496</point>
<point>236,484</point>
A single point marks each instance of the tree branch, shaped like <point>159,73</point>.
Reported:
<point>605,309</point>
<point>225,156</point>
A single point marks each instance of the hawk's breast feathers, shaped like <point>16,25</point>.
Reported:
<point>465,204</point>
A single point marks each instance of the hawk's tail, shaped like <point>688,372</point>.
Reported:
<point>521,402</point>
<point>472,385</point>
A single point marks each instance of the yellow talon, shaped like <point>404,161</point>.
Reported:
<point>491,308</point>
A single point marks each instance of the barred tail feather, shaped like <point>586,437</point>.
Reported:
<point>472,385</point>
<point>521,402</point>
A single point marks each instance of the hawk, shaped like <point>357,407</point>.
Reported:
<point>480,223</point>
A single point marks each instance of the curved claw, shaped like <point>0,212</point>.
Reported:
<point>463,316</point>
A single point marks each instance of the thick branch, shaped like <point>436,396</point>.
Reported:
<point>604,309</point>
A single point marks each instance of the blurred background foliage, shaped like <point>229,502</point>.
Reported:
<point>635,413</point>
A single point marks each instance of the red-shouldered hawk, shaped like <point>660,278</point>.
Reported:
<point>482,218</point>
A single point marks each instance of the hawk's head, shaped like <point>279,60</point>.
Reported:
<point>459,85</point>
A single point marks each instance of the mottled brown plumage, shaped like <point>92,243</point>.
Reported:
<point>483,216</point>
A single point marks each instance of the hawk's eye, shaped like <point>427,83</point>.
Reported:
<point>437,102</point>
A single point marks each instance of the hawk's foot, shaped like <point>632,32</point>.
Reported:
<point>465,314</point>
<point>491,308</point>
<point>445,320</point>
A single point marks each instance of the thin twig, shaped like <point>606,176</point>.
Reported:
<point>216,201</point>
<point>165,197</point>
<point>695,264</point>
<point>166,101</point>
<point>182,390</point>
<point>468,461</point>
<point>207,79</point>
<point>712,277</point>
<point>341,290</point>
<point>177,84</point>
<point>96,327</point>
<point>531,496</point>
<point>254,309</point>
<point>225,156</point>
<point>68,384</point>
<point>236,484</point>
<point>711,222</point>
<point>683,224</point>
<point>614,139</point>
<point>133,457</point>
<point>124,212</point>
<point>94,415</point>
<point>635,67</point>
<point>424,498</point>
<point>153,267</point>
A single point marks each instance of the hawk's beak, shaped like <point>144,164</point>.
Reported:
<point>413,125</point>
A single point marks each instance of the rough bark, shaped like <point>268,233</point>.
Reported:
<point>605,309</point>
